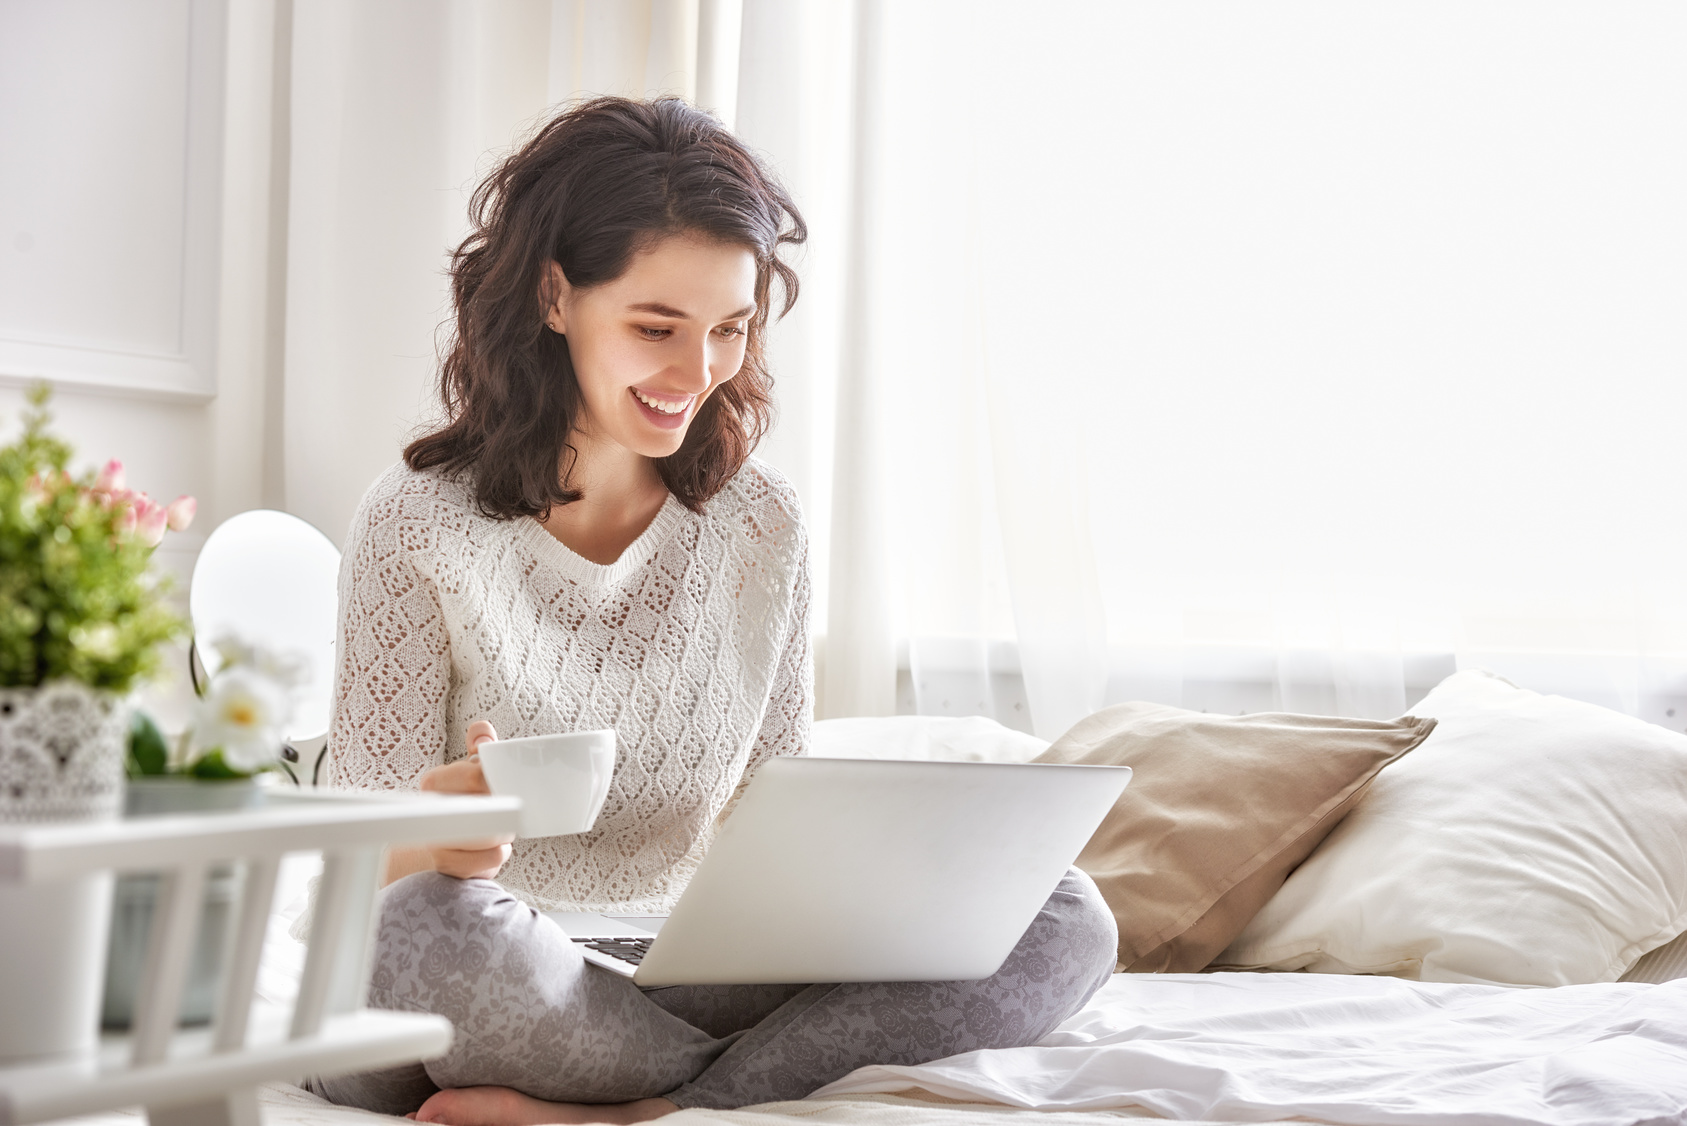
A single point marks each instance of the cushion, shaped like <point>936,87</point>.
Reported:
<point>924,738</point>
<point>1220,809</point>
<point>1667,963</point>
<point>1531,840</point>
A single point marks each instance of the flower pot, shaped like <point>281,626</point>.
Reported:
<point>135,899</point>
<point>61,759</point>
<point>161,795</point>
<point>54,936</point>
<point>61,752</point>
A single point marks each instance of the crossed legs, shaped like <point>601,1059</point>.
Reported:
<point>532,1016</point>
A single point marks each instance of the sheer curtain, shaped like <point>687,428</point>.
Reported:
<point>1280,355</point>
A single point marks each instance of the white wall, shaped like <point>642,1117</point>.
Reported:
<point>135,224</point>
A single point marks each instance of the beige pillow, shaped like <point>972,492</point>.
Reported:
<point>1532,840</point>
<point>1220,810</point>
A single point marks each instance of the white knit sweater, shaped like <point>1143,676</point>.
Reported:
<point>693,646</point>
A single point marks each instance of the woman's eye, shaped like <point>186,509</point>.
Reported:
<point>730,331</point>
<point>655,333</point>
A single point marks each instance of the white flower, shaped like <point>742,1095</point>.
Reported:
<point>247,707</point>
<point>244,714</point>
<point>232,650</point>
<point>288,670</point>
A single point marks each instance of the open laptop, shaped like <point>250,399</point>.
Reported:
<point>859,870</point>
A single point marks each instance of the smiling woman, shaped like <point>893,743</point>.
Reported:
<point>646,368</point>
<point>574,226</point>
<point>587,544</point>
<point>674,358</point>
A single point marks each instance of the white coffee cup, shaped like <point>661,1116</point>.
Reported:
<point>560,779</point>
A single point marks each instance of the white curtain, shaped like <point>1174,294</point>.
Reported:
<point>1284,355</point>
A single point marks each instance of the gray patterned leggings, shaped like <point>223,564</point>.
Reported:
<point>532,1014</point>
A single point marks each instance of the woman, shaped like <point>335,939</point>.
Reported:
<point>586,543</point>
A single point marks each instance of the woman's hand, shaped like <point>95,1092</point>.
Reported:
<point>466,860</point>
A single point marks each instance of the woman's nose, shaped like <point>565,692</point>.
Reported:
<point>694,369</point>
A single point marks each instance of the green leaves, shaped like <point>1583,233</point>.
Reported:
<point>212,767</point>
<point>77,598</point>
<point>148,753</point>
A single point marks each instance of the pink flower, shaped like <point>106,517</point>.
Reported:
<point>111,478</point>
<point>136,513</point>
<point>151,518</point>
<point>180,513</point>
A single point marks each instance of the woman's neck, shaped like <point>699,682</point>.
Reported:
<point>621,495</point>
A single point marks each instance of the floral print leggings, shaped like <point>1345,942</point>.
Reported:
<point>531,1013</point>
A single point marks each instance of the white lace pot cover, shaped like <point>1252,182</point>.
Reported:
<point>61,759</point>
<point>61,752</point>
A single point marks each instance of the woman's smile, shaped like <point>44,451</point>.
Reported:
<point>667,411</point>
<point>648,348</point>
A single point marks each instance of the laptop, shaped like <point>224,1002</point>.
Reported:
<point>834,870</point>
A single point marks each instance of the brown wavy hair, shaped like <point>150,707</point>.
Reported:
<point>591,189</point>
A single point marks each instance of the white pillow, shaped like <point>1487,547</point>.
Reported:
<point>924,737</point>
<point>1530,840</point>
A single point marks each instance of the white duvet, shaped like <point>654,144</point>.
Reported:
<point>1342,1049</point>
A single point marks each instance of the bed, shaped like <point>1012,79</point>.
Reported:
<point>1268,1047</point>
<point>1361,1049</point>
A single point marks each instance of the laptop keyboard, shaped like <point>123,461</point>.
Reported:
<point>627,949</point>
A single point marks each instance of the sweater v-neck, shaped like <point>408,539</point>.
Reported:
<point>575,566</point>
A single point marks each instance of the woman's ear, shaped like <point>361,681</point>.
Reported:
<point>553,298</point>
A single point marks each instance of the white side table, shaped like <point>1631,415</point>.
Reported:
<point>209,1077</point>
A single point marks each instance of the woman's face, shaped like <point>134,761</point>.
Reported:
<point>651,345</point>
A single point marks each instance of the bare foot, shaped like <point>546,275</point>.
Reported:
<point>639,1110</point>
<point>503,1106</point>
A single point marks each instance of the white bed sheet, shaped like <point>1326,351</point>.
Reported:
<point>1368,1051</point>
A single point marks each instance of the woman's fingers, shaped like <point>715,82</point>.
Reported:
<point>467,860</point>
<point>461,777</point>
<point>472,863</point>
<point>480,731</point>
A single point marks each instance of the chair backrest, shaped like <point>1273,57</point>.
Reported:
<point>270,578</point>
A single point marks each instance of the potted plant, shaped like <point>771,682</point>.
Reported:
<point>81,617</point>
<point>238,732</point>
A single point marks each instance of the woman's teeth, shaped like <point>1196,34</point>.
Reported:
<point>663,405</point>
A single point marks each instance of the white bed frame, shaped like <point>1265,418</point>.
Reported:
<point>209,1077</point>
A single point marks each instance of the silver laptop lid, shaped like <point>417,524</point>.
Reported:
<point>854,870</point>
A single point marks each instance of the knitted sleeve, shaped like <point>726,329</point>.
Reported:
<point>786,723</point>
<point>392,683</point>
